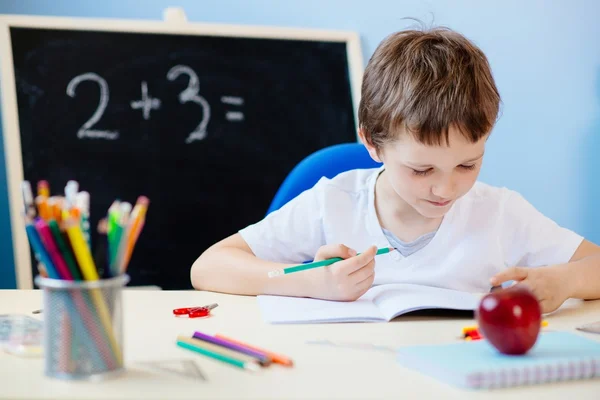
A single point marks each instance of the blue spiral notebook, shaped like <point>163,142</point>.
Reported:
<point>556,356</point>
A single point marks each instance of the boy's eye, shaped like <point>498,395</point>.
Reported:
<point>427,171</point>
<point>422,172</point>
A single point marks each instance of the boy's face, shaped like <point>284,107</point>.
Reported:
<point>431,178</point>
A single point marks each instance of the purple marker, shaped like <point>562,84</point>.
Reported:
<point>262,358</point>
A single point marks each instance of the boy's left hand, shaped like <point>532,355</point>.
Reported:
<point>549,284</point>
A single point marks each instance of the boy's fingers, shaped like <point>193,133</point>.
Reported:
<point>510,274</point>
<point>525,284</point>
<point>363,286</point>
<point>334,250</point>
<point>363,273</point>
<point>355,263</point>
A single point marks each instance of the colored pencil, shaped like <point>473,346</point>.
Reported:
<point>262,358</point>
<point>101,251</point>
<point>88,269</point>
<point>220,349</point>
<point>64,358</point>
<point>43,209</point>
<point>60,240</point>
<point>317,264</point>
<point>64,249</point>
<point>43,188</point>
<point>82,252</point>
<point>28,206</point>
<point>206,349</point>
<point>136,223</point>
<point>40,251</point>
<point>121,239</point>
<point>83,203</point>
<point>277,358</point>
<point>84,323</point>
<point>48,240</point>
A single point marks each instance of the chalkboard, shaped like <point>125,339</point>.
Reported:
<point>206,125</point>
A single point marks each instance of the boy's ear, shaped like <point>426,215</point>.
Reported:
<point>366,141</point>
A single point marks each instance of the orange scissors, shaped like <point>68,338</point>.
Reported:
<point>195,312</point>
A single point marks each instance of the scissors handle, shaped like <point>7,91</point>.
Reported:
<point>195,312</point>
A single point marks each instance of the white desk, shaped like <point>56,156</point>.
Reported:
<point>319,371</point>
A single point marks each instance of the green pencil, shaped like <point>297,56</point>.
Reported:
<point>184,342</point>
<point>316,264</point>
<point>64,250</point>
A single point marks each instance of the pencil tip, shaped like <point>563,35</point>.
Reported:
<point>251,366</point>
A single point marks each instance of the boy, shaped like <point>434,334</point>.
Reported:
<point>428,105</point>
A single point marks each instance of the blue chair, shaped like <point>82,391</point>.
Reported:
<point>327,162</point>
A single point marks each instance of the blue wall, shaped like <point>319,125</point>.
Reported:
<point>545,57</point>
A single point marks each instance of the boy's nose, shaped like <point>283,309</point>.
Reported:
<point>444,189</point>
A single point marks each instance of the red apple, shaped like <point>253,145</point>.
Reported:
<point>510,319</point>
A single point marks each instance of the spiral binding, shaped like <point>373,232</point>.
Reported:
<point>564,371</point>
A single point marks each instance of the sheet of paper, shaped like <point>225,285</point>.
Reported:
<point>381,303</point>
<point>290,310</point>
<point>396,299</point>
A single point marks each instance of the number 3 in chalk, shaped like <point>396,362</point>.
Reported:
<point>190,93</point>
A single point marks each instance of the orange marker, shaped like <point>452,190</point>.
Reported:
<point>276,358</point>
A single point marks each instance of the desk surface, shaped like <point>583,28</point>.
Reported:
<point>319,372</point>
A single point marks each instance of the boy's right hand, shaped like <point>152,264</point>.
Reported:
<point>345,280</point>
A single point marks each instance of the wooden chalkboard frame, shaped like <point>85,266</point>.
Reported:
<point>175,26</point>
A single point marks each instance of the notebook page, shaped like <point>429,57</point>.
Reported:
<point>396,299</point>
<point>293,310</point>
<point>556,356</point>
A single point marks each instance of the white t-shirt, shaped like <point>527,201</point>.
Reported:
<point>485,231</point>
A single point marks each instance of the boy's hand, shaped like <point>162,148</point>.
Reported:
<point>345,280</point>
<point>549,284</point>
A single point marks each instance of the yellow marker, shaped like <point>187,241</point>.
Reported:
<point>89,272</point>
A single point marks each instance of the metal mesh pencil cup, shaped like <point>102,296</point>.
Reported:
<point>83,327</point>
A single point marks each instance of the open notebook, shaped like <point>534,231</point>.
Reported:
<point>556,356</point>
<point>380,304</point>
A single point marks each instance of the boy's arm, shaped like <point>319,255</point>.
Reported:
<point>553,284</point>
<point>584,271</point>
<point>230,266</point>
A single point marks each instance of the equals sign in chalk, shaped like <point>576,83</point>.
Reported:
<point>234,101</point>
